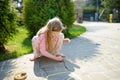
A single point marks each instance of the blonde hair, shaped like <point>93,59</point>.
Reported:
<point>53,25</point>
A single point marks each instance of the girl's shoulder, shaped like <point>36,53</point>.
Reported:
<point>40,37</point>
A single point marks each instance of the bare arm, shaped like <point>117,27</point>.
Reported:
<point>66,40</point>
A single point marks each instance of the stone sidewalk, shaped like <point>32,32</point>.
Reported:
<point>93,55</point>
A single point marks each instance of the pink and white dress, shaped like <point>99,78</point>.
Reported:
<point>39,47</point>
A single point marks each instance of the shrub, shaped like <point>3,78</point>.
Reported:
<point>37,12</point>
<point>7,22</point>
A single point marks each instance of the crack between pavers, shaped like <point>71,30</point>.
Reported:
<point>66,66</point>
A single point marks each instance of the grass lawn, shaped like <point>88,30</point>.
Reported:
<point>76,30</point>
<point>21,44</point>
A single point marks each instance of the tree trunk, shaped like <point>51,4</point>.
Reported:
<point>2,48</point>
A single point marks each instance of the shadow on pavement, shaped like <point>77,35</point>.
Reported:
<point>53,70</point>
<point>6,69</point>
<point>80,48</point>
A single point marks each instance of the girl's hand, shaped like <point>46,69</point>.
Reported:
<point>66,40</point>
<point>59,54</point>
<point>59,58</point>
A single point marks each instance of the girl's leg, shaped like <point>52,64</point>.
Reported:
<point>58,45</point>
<point>36,51</point>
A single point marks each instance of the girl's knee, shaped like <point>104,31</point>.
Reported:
<point>61,36</point>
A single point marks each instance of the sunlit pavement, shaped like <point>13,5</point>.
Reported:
<point>95,55</point>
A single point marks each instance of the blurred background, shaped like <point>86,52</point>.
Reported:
<point>89,10</point>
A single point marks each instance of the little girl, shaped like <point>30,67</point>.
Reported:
<point>48,41</point>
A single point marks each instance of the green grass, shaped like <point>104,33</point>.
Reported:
<point>76,30</point>
<point>21,44</point>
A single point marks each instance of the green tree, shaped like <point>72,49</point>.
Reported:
<point>7,23</point>
<point>37,12</point>
<point>109,5</point>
